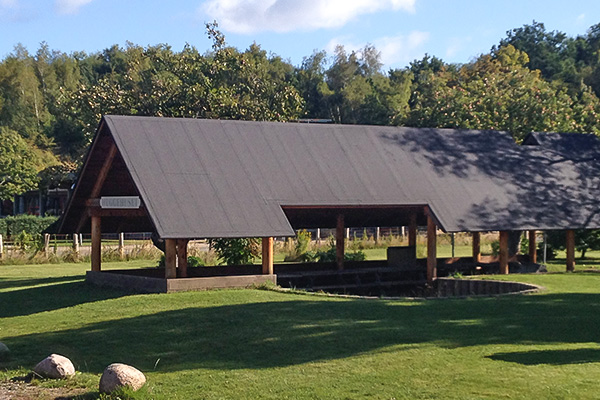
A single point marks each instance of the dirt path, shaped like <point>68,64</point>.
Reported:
<point>25,391</point>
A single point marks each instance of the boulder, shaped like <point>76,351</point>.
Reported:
<point>4,352</point>
<point>118,375</point>
<point>55,366</point>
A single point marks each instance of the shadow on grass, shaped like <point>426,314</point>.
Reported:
<point>6,283</point>
<point>278,334</point>
<point>552,357</point>
<point>52,297</point>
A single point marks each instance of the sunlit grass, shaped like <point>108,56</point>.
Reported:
<point>250,344</point>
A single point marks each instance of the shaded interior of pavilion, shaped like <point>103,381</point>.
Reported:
<point>404,269</point>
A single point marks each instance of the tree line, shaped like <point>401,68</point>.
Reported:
<point>51,102</point>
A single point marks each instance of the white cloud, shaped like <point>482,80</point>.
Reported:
<point>394,50</point>
<point>248,16</point>
<point>11,10</point>
<point>580,19</point>
<point>70,6</point>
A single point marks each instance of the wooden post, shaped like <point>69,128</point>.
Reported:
<point>122,245</point>
<point>96,255</point>
<point>339,242</point>
<point>46,244</point>
<point>431,249</point>
<point>182,256</point>
<point>476,247</point>
<point>318,235</point>
<point>267,255</point>
<point>170,258</point>
<point>532,247</point>
<point>412,230</point>
<point>570,250</point>
<point>1,248</point>
<point>377,235</point>
<point>76,244</point>
<point>503,253</point>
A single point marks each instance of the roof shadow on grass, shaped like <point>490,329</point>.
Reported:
<point>7,283</point>
<point>52,297</point>
<point>279,334</point>
<point>551,357</point>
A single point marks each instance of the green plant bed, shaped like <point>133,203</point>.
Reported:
<point>253,344</point>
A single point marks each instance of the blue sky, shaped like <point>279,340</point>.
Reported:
<point>403,30</point>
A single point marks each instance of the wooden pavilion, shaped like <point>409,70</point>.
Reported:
<point>193,179</point>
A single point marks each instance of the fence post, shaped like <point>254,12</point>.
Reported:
<point>121,245</point>
<point>1,248</point>
<point>76,244</point>
<point>46,243</point>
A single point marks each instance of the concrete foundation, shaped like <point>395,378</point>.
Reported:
<point>145,284</point>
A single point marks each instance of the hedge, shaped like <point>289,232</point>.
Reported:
<point>12,226</point>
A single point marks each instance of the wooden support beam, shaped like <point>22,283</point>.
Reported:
<point>103,173</point>
<point>1,248</point>
<point>170,258</point>
<point>101,177</point>
<point>412,230</point>
<point>503,252</point>
<point>476,247</point>
<point>339,242</point>
<point>182,256</point>
<point>570,245</point>
<point>267,255</point>
<point>96,254</point>
<point>431,249</point>
<point>532,247</point>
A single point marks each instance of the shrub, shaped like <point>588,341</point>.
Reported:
<point>238,251</point>
<point>195,262</point>
<point>30,224</point>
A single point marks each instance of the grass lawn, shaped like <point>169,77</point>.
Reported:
<point>252,344</point>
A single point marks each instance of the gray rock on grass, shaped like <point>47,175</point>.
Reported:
<point>118,375</point>
<point>55,366</point>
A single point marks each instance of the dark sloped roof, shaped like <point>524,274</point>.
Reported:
<point>577,146</point>
<point>212,178</point>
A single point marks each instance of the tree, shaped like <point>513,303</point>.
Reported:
<point>585,239</point>
<point>499,92</point>
<point>17,165</point>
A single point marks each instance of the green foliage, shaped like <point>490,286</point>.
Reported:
<point>238,251</point>
<point>194,262</point>
<point>500,93</point>
<point>301,252</point>
<point>330,254</point>
<point>30,224</point>
<point>17,164</point>
<point>495,245</point>
<point>24,241</point>
<point>585,239</point>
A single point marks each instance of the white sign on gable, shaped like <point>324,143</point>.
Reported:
<point>122,202</point>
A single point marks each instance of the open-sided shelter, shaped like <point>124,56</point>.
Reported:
<point>199,178</point>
